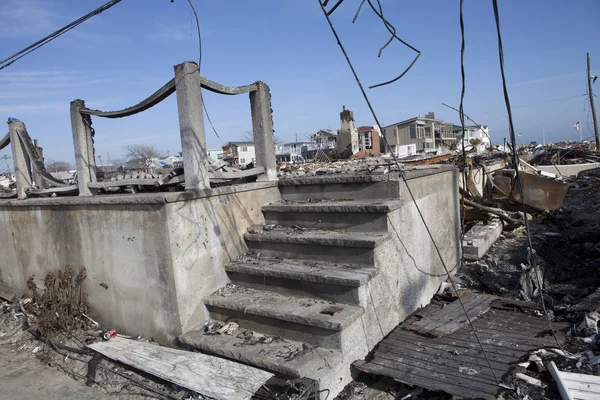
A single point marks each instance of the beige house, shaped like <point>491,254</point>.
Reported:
<point>428,133</point>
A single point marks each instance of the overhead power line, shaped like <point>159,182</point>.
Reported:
<point>30,49</point>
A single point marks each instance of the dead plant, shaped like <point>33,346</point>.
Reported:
<point>62,303</point>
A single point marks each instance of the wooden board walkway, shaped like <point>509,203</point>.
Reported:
<point>455,363</point>
<point>451,318</point>
<point>211,376</point>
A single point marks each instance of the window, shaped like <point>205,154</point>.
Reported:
<point>244,148</point>
<point>413,131</point>
<point>242,161</point>
<point>395,132</point>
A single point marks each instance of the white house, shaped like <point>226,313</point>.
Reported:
<point>238,153</point>
<point>474,132</point>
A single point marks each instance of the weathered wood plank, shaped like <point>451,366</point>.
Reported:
<point>431,380</point>
<point>464,369</point>
<point>452,317</point>
<point>207,375</point>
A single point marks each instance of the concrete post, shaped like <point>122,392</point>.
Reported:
<point>81,139</point>
<point>262,127</point>
<point>191,126</point>
<point>20,159</point>
<point>37,178</point>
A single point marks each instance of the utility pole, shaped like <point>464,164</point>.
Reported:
<point>589,79</point>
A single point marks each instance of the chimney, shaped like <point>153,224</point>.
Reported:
<point>430,115</point>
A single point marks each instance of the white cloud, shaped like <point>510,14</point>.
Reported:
<point>23,18</point>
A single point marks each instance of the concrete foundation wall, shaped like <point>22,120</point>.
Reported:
<point>149,259</point>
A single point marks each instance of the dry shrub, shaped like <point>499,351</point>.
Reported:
<point>63,301</point>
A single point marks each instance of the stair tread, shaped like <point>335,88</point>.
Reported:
<point>319,237</point>
<point>301,310</point>
<point>285,357</point>
<point>308,271</point>
<point>331,205</point>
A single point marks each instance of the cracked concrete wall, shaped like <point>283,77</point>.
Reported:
<point>205,234</point>
<point>129,274</point>
<point>148,265</point>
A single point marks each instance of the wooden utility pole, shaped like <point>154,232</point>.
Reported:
<point>589,78</point>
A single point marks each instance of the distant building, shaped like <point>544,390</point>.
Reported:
<point>292,152</point>
<point>427,132</point>
<point>238,153</point>
<point>348,134</point>
<point>369,139</point>
<point>474,132</point>
<point>324,139</point>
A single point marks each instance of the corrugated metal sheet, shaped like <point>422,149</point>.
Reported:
<point>455,363</point>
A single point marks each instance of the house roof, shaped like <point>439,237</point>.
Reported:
<point>366,128</point>
<point>413,119</point>
<point>240,143</point>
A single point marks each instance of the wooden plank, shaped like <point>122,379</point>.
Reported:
<point>452,317</point>
<point>451,368</point>
<point>583,378</point>
<point>431,380</point>
<point>211,376</point>
<point>475,312</point>
<point>435,356</point>
<point>562,389</point>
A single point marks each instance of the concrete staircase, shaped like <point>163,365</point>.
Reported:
<point>322,284</point>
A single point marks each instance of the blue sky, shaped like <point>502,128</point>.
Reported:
<point>120,57</point>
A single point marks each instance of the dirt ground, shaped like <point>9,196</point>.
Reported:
<point>57,366</point>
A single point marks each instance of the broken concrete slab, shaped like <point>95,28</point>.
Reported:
<point>289,358</point>
<point>478,240</point>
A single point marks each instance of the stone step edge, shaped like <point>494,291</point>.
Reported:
<point>348,239</point>
<point>228,302</point>
<point>312,364</point>
<point>382,206</point>
<point>283,270</point>
<point>338,178</point>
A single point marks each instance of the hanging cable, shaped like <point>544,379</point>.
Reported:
<point>29,49</point>
<point>390,28</point>
<point>404,180</point>
<point>200,64</point>
<point>533,258</point>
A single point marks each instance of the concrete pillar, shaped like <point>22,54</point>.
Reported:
<point>37,178</point>
<point>82,146</point>
<point>20,159</point>
<point>191,126</point>
<point>262,128</point>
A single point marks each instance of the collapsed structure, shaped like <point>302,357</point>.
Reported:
<point>337,261</point>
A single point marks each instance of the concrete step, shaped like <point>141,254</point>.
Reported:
<point>318,245</point>
<point>288,359</point>
<point>306,319</point>
<point>333,282</point>
<point>348,215</point>
<point>354,187</point>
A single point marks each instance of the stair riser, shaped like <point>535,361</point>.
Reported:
<point>315,336</point>
<point>314,252</point>
<point>345,191</point>
<point>351,222</point>
<point>325,291</point>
